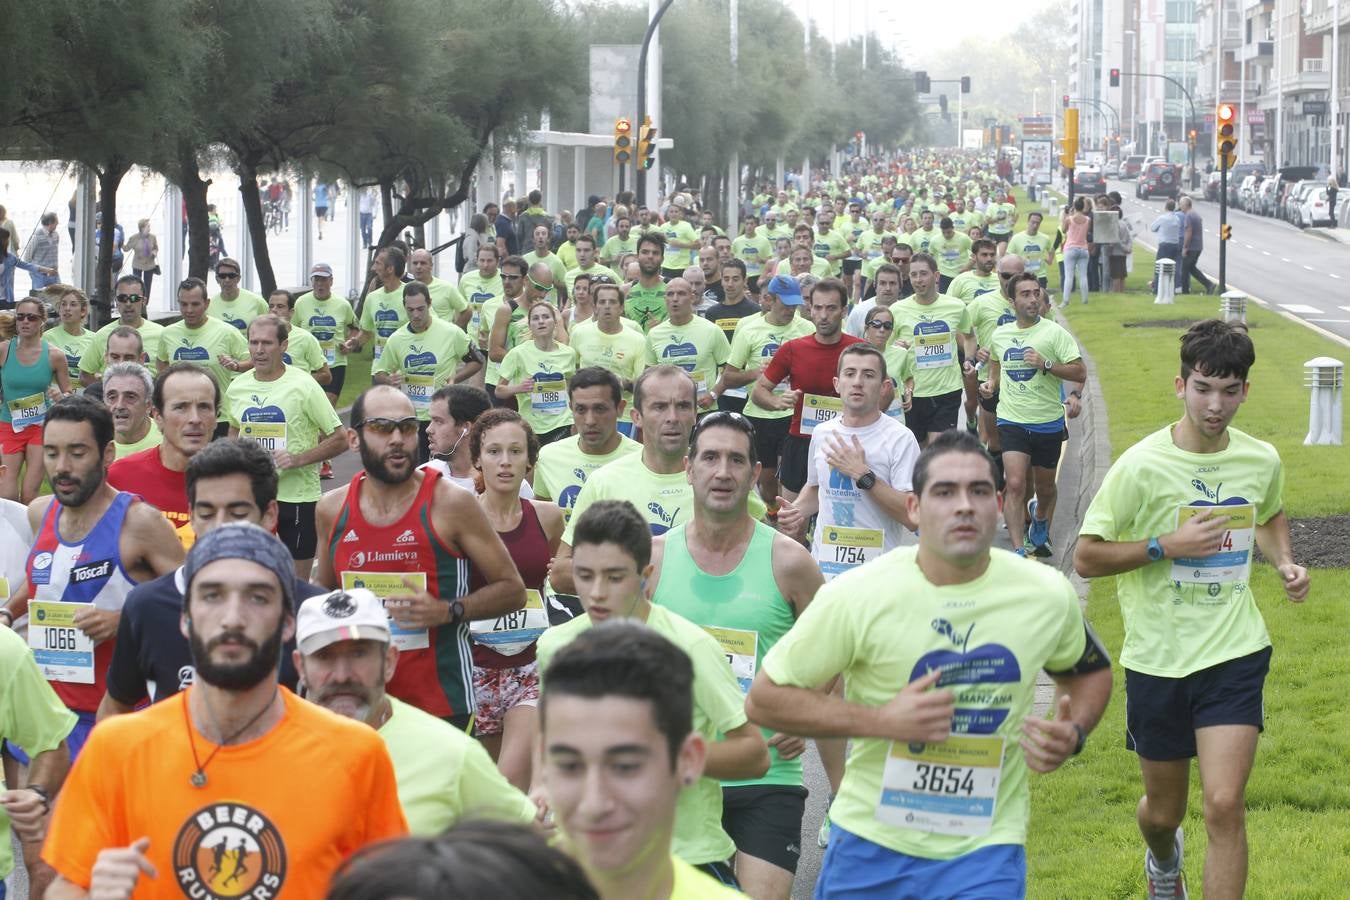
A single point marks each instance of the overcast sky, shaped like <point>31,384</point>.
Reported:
<point>918,29</point>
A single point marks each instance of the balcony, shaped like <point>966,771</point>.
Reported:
<point>1317,20</point>
<point>1256,51</point>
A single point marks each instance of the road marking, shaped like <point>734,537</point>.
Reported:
<point>1265,252</point>
<point>1333,275</point>
<point>1346,308</point>
<point>1310,268</point>
<point>1284,259</point>
<point>1329,320</point>
<point>1301,308</point>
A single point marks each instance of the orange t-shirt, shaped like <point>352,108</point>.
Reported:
<point>275,818</point>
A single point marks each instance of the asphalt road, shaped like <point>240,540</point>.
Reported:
<point>1305,273</point>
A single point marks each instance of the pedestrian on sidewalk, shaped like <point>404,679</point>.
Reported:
<point>1192,245</point>
<point>1168,229</point>
<point>43,249</point>
<point>144,249</point>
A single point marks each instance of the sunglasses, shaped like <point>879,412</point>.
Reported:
<point>129,298</point>
<point>724,417</point>
<point>506,277</point>
<point>541,287</point>
<point>27,317</point>
<point>884,326</point>
<point>383,426</point>
<point>227,276</point>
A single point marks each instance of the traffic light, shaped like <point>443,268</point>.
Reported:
<point>1225,232</point>
<point>623,141</point>
<point>1226,135</point>
<point>646,149</point>
<point>1066,101</point>
<point>1192,136</point>
<point>922,84</point>
<point>1069,146</point>
<point>1115,78</point>
<point>965,84</point>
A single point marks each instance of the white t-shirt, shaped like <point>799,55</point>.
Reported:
<point>16,539</point>
<point>466,481</point>
<point>857,318</point>
<point>852,528</point>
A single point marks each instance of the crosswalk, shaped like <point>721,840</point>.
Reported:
<point>1301,309</point>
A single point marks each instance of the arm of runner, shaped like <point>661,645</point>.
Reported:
<point>560,570</point>
<point>30,812</point>
<point>915,714</point>
<point>324,513</point>
<point>155,549</point>
<point>1073,400</point>
<point>1047,743</point>
<point>329,446</point>
<point>109,707</point>
<point>794,514</point>
<point>1074,370</point>
<point>990,384</point>
<point>323,375</point>
<point>497,339</point>
<point>733,377</point>
<point>1273,539</point>
<point>762,395</point>
<point>796,573</point>
<point>740,754</point>
<point>1201,535</point>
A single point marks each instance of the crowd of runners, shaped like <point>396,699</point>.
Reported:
<point>640,513</point>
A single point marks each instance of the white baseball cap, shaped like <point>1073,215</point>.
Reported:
<point>354,615</point>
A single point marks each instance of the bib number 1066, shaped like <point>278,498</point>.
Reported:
<point>951,780</point>
<point>59,639</point>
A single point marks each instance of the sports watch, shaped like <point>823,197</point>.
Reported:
<point>1155,549</point>
<point>1049,365</point>
<point>866,481</point>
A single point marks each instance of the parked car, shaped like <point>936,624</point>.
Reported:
<point>1316,209</point>
<point>1266,196</point>
<point>1131,166</point>
<point>1112,168</point>
<point>1235,177</point>
<point>1089,181</point>
<point>1247,192</point>
<point>1159,179</point>
<point>1293,204</point>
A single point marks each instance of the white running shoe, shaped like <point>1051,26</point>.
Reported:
<point>1166,884</point>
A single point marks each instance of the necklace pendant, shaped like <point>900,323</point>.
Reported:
<point>199,779</point>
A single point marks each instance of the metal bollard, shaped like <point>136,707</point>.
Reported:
<point>1054,208</point>
<point>1326,377</point>
<point>1165,273</point>
<point>1233,306</point>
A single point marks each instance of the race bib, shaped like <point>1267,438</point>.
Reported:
<point>934,346</point>
<point>379,349</point>
<point>25,411</point>
<point>549,397</point>
<point>418,389</point>
<point>62,651</point>
<point>817,409</point>
<point>1233,561</point>
<point>268,435</point>
<point>897,410</point>
<point>703,382</point>
<point>742,651</point>
<point>390,584</point>
<point>842,549</point>
<point>513,632</point>
<point>329,352</point>
<point>947,788</point>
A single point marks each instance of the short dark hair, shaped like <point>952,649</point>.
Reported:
<point>926,259</point>
<point>615,522</point>
<point>501,416</point>
<point>946,222</point>
<point>584,239</point>
<point>862,349</point>
<point>78,408</point>
<point>982,244</point>
<point>290,298</point>
<point>417,289</point>
<point>652,237</point>
<point>726,419</point>
<point>659,371</point>
<point>193,283</point>
<point>834,285</point>
<point>1017,279</point>
<point>475,858</point>
<point>179,368</point>
<point>1217,349</point>
<point>736,264</point>
<point>234,456</point>
<point>535,197</point>
<point>889,269</point>
<point>624,659</point>
<point>395,257</point>
<point>129,279</point>
<point>516,262</point>
<point>954,440</point>
<point>596,376</point>
<point>464,401</point>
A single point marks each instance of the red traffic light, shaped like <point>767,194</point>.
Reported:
<point>1115,78</point>
<point>1225,111</point>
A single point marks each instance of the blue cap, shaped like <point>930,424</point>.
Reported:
<point>786,289</point>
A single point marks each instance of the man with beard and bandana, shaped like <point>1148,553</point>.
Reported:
<point>93,544</point>
<point>230,480</point>
<point>410,536</point>
<point>444,776</point>
<point>291,790</point>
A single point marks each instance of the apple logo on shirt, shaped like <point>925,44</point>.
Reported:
<point>262,412</point>
<point>191,353</point>
<point>987,664</point>
<point>683,351</point>
<point>419,358</point>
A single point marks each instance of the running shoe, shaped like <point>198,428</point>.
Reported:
<point>1166,884</point>
<point>1038,532</point>
<point>823,836</point>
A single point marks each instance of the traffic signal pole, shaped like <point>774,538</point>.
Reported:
<point>1223,222</point>
<point>1225,148</point>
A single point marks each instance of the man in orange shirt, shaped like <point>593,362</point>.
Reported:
<point>234,787</point>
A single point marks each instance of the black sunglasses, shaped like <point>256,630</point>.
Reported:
<point>724,417</point>
<point>877,323</point>
<point>129,298</point>
<point>227,276</point>
<point>383,426</point>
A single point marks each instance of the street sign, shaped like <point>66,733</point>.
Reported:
<point>1315,107</point>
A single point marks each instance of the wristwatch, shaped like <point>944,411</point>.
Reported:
<point>456,612</point>
<point>1155,549</point>
<point>1048,365</point>
<point>866,481</point>
<point>1082,738</point>
<point>43,795</point>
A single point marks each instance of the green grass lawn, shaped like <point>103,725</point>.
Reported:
<point>358,377</point>
<point>1083,840</point>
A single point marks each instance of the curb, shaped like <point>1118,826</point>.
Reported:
<point>1094,457</point>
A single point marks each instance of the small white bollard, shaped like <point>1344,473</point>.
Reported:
<point>1233,306</point>
<point>1326,377</point>
<point>1053,209</point>
<point>1045,200</point>
<point>1165,273</point>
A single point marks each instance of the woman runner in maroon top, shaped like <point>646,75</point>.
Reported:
<point>506,679</point>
